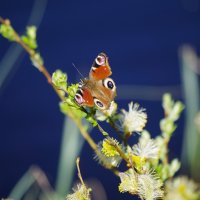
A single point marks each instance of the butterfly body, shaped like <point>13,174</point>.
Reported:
<point>98,90</point>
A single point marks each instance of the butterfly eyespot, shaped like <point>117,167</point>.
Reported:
<point>109,83</point>
<point>100,60</point>
<point>79,98</point>
<point>98,103</point>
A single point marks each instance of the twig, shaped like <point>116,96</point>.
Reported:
<point>79,172</point>
<point>45,72</point>
<point>47,75</point>
<point>166,159</point>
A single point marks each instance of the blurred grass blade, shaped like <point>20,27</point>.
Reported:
<point>14,54</point>
<point>33,184</point>
<point>8,63</point>
<point>147,92</point>
<point>191,142</point>
<point>72,143</point>
<point>22,186</point>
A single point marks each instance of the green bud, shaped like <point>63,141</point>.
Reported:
<point>70,102</point>
<point>31,32</point>
<point>165,172</point>
<point>59,79</point>
<point>174,167</point>
<point>30,43</point>
<point>167,126</point>
<point>64,107</point>
<point>167,103</point>
<point>37,60</point>
<point>30,38</point>
<point>160,143</point>
<point>72,90</point>
<point>176,111</point>
<point>7,31</point>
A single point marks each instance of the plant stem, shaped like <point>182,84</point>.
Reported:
<point>166,142</point>
<point>79,171</point>
<point>31,52</point>
<point>47,75</point>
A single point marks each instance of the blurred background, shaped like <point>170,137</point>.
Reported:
<point>152,48</point>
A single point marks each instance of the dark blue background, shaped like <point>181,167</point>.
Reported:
<point>141,39</point>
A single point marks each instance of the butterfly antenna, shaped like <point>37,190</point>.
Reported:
<point>78,70</point>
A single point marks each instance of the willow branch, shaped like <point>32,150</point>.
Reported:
<point>47,75</point>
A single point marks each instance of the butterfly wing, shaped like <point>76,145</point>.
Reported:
<point>99,89</point>
<point>84,97</point>
<point>100,68</point>
<point>104,95</point>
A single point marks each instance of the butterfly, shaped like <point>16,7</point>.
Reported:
<point>99,89</point>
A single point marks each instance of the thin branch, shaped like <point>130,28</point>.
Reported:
<point>31,53</point>
<point>45,72</point>
<point>79,172</point>
<point>47,75</point>
<point>166,143</point>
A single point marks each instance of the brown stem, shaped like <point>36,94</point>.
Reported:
<point>79,171</point>
<point>31,52</point>
<point>45,72</point>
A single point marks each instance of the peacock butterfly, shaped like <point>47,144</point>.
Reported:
<point>98,90</point>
